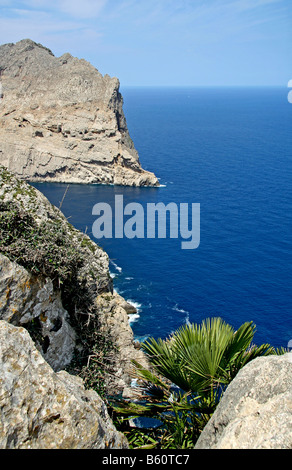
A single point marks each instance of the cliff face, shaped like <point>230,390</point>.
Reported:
<point>55,282</point>
<point>62,121</point>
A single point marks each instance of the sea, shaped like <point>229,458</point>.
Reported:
<point>229,150</point>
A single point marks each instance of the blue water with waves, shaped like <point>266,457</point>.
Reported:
<point>229,149</point>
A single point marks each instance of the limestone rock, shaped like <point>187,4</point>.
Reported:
<point>31,301</point>
<point>130,309</point>
<point>41,409</point>
<point>256,409</point>
<point>114,318</point>
<point>36,301</point>
<point>62,121</point>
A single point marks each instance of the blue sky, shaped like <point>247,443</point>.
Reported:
<point>163,42</point>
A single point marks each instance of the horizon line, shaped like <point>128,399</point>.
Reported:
<point>205,86</point>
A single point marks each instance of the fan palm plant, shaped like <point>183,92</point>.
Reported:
<point>191,369</point>
<point>202,359</point>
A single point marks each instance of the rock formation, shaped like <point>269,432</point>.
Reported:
<point>32,302</point>
<point>41,409</point>
<point>62,121</point>
<point>55,282</point>
<point>256,409</point>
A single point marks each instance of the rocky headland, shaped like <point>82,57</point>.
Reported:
<point>62,121</point>
<point>65,337</point>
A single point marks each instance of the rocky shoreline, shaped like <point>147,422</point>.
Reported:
<point>65,337</point>
<point>52,343</point>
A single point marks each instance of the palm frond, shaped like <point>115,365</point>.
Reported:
<point>200,360</point>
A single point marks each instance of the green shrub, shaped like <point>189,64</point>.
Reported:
<point>190,372</point>
<point>48,249</point>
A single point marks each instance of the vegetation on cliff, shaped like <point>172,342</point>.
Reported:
<point>191,371</point>
<point>35,235</point>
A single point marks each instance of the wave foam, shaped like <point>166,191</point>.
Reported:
<point>118,268</point>
<point>180,310</point>
<point>133,318</point>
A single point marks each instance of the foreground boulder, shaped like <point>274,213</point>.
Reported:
<point>256,409</point>
<point>41,409</point>
<point>61,120</point>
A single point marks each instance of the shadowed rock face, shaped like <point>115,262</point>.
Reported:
<point>62,121</point>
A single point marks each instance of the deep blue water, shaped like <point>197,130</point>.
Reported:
<point>231,151</point>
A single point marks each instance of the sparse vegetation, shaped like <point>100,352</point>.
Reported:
<point>44,249</point>
<point>49,250</point>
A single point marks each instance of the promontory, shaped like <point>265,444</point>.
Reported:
<point>61,120</point>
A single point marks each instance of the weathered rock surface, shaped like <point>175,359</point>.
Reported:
<point>41,409</point>
<point>36,301</point>
<point>31,301</point>
<point>256,409</point>
<point>114,320</point>
<point>62,121</point>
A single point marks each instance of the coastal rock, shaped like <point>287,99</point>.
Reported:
<point>31,301</point>
<point>114,318</point>
<point>124,304</point>
<point>62,121</point>
<point>256,409</point>
<point>55,282</point>
<point>41,409</point>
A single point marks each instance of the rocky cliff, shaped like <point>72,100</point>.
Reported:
<point>62,121</point>
<point>55,282</point>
